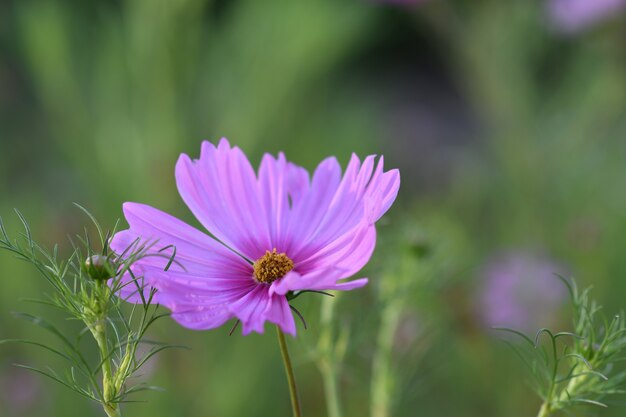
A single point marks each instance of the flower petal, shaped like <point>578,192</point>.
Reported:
<point>308,211</point>
<point>196,302</point>
<point>273,183</point>
<point>203,279</point>
<point>339,213</point>
<point>318,280</point>
<point>282,186</point>
<point>251,309</point>
<point>383,186</point>
<point>339,217</point>
<point>194,250</point>
<point>279,313</point>
<point>221,190</point>
<point>348,254</point>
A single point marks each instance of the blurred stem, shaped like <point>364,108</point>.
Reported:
<point>544,411</point>
<point>331,392</point>
<point>291,380</point>
<point>329,358</point>
<point>382,374</point>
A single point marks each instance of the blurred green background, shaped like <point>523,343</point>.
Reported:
<point>508,126</point>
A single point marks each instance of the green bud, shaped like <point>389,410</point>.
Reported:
<point>99,267</point>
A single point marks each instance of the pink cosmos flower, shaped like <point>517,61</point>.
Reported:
<point>271,234</point>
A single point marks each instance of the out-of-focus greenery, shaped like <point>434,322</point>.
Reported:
<point>509,135</point>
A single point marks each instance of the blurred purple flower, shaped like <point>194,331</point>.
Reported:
<point>576,15</point>
<point>276,232</point>
<point>399,2</point>
<point>20,391</point>
<point>520,291</point>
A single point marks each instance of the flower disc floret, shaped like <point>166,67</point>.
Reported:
<point>272,266</point>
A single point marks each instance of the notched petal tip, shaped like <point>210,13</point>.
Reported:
<point>129,207</point>
<point>248,328</point>
<point>351,285</point>
<point>291,331</point>
<point>328,164</point>
<point>183,163</point>
<point>223,144</point>
<point>395,174</point>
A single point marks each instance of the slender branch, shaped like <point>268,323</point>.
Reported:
<point>293,389</point>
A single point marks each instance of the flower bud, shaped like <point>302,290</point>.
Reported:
<point>99,267</point>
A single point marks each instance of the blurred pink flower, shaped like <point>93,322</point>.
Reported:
<point>520,291</point>
<point>20,391</point>
<point>271,234</point>
<point>401,2</point>
<point>576,15</point>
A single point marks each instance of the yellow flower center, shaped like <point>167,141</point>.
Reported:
<point>272,266</point>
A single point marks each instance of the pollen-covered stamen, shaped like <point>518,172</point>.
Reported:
<point>272,266</point>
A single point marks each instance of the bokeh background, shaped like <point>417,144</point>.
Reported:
<point>506,118</point>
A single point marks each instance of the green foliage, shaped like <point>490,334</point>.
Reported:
<point>511,132</point>
<point>92,300</point>
<point>580,367</point>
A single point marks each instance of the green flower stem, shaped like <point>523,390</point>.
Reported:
<point>112,410</point>
<point>108,383</point>
<point>550,404</point>
<point>331,353</point>
<point>331,392</point>
<point>382,373</point>
<point>99,332</point>
<point>546,407</point>
<point>544,411</point>
<point>293,389</point>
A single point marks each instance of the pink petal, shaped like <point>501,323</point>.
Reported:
<point>384,186</point>
<point>203,280</point>
<point>319,280</point>
<point>251,309</point>
<point>273,188</point>
<point>195,251</point>
<point>202,318</point>
<point>221,190</point>
<point>297,183</point>
<point>309,211</point>
<point>279,312</point>
<point>195,301</point>
<point>349,254</point>
<point>338,218</point>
